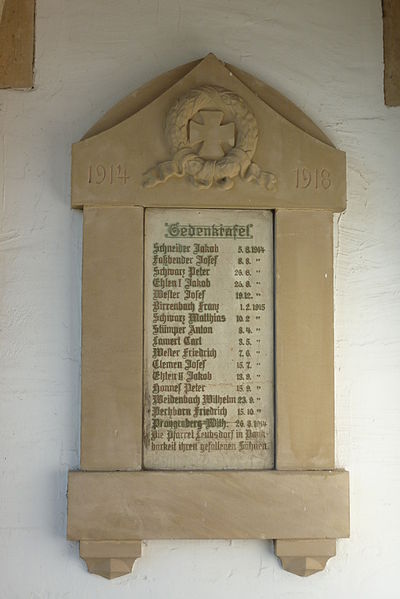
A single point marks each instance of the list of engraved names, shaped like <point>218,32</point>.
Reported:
<point>208,339</point>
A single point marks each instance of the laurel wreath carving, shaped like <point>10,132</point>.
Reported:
<point>201,172</point>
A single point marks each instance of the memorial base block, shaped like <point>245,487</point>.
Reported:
<point>208,505</point>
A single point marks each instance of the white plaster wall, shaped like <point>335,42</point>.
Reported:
<point>326,56</point>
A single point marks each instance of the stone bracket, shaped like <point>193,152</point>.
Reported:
<point>110,559</point>
<point>305,556</point>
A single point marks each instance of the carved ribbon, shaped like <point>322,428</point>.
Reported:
<point>203,173</point>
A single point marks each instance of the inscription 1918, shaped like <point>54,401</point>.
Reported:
<point>208,339</point>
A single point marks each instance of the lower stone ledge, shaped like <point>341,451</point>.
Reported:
<point>208,505</point>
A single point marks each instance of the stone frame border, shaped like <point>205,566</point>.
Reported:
<point>112,504</point>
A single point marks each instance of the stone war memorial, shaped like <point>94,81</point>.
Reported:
<point>207,323</point>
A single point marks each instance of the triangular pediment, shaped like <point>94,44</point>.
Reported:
<point>261,151</point>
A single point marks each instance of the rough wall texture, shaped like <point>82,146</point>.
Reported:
<point>326,56</point>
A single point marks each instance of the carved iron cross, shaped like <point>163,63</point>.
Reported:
<point>212,134</point>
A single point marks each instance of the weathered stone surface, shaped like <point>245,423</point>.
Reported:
<point>17,36</point>
<point>391,46</point>
<point>208,505</point>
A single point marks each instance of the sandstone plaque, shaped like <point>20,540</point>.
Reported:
<point>208,339</point>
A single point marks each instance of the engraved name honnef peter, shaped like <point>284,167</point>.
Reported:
<point>212,135</point>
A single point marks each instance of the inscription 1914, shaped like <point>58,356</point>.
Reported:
<point>208,339</point>
<point>112,173</point>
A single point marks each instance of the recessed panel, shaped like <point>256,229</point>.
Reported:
<point>208,333</point>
